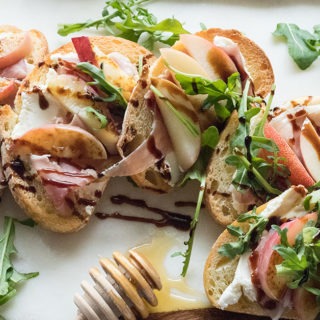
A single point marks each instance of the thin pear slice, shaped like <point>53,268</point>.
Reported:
<point>310,149</point>
<point>179,61</point>
<point>182,62</point>
<point>181,121</point>
<point>70,92</point>
<point>62,141</point>
<point>213,59</point>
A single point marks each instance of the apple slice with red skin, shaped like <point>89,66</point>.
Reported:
<point>310,149</point>
<point>273,285</point>
<point>213,59</point>
<point>299,174</point>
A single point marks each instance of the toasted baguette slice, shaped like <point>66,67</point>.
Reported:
<point>28,189</point>
<point>219,177</point>
<point>219,271</point>
<point>139,118</point>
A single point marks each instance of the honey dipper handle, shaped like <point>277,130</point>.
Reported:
<point>80,316</point>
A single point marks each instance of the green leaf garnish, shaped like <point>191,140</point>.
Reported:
<point>9,277</point>
<point>210,137</point>
<point>209,140</point>
<point>96,119</point>
<point>224,97</point>
<point>253,172</point>
<point>303,46</point>
<point>301,260</point>
<point>129,20</point>
<point>114,93</point>
<point>255,225</point>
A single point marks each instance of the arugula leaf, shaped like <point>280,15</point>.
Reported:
<point>224,97</point>
<point>9,277</point>
<point>129,20</point>
<point>253,172</point>
<point>95,119</point>
<point>303,46</point>
<point>255,225</point>
<point>210,137</point>
<point>209,140</point>
<point>312,201</point>
<point>113,92</point>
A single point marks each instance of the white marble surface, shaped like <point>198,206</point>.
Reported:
<point>63,260</point>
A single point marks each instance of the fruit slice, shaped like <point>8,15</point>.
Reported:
<point>71,92</point>
<point>181,121</point>
<point>272,284</point>
<point>62,141</point>
<point>299,174</point>
<point>182,62</point>
<point>310,149</point>
<point>14,47</point>
<point>288,124</point>
<point>213,59</point>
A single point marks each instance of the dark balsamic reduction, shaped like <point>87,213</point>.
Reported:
<point>43,102</point>
<point>177,220</point>
<point>25,188</point>
<point>153,149</point>
<point>86,202</point>
<point>17,166</point>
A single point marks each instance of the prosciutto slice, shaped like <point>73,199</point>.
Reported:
<point>153,149</point>
<point>84,50</point>
<point>17,71</point>
<point>233,51</point>
<point>62,180</point>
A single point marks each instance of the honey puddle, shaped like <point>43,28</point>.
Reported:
<point>176,293</point>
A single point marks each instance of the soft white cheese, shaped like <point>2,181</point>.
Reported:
<point>125,64</point>
<point>286,205</point>
<point>241,284</point>
<point>32,116</point>
<point>70,56</point>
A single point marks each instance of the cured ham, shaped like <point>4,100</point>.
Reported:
<point>60,179</point>
<point>84,50</point>
<point>153,149</point>
<point>17,71</point>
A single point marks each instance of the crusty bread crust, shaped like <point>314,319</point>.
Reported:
<point>29,193</point>
<point>256,61</point>
<point>218,274</point>
<point>219,177</point>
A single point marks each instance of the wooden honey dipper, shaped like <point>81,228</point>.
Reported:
<point>124,291</point>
